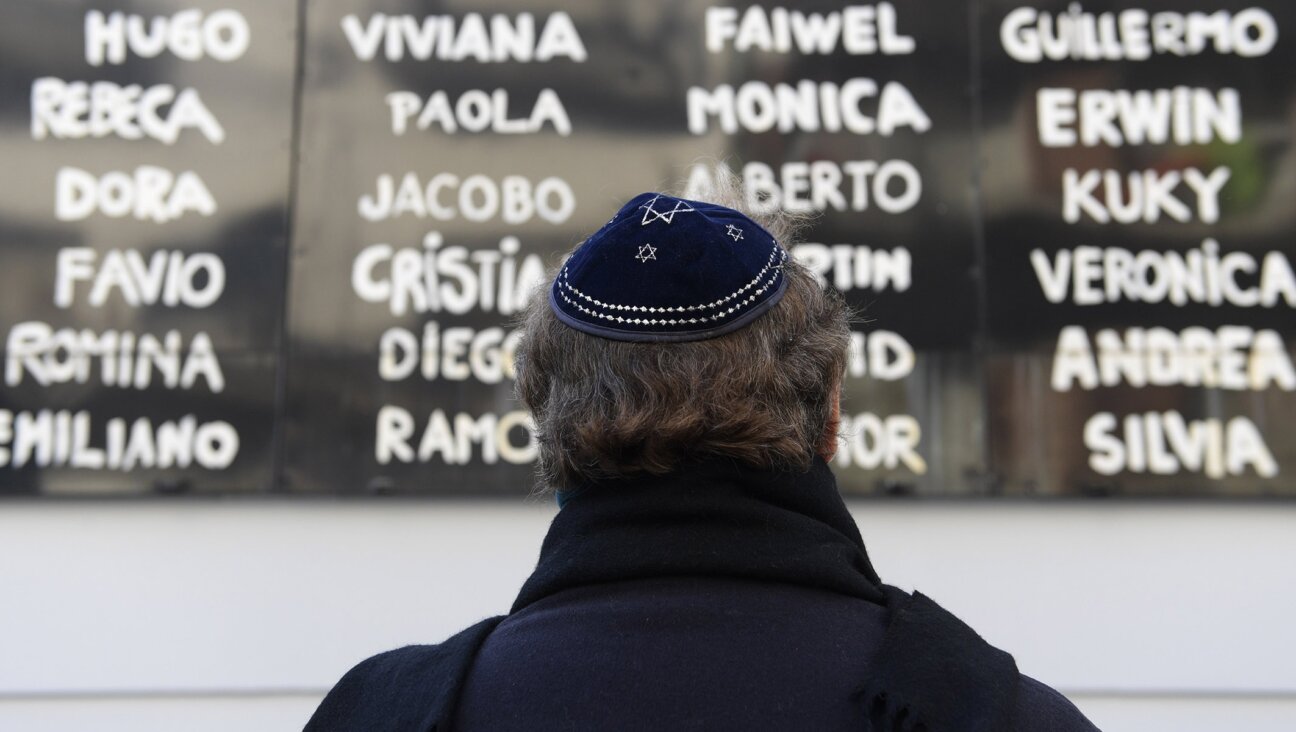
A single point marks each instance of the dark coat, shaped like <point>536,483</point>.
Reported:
<point>716,598</point>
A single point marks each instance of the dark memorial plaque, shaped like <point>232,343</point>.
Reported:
<point>1140,230</point>
<point>448,158</point>
<point>143,225</point>
<point>1066,229</point>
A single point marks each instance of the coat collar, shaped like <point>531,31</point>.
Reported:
<point>719,518</point>
<point>708,518</point>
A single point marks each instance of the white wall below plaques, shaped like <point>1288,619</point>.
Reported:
<point>210,615</point>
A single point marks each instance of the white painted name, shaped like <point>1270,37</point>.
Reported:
<point>1164,443</point>
<point>857,29</point>
<point>881,355</point>
<point>1142,195</point>
<point>453,439</point>
<point>852,267</point>
<point>445,196</point>
<point>122,359</point>
<point>807,106</point>
<point>169,278</point>
<point>451,279</point>
<point>189,35</point>
<point>474,37</point>
<point>1030,35</point>
<point>872,442</point>
<point>476,110</point>
<point>65,439</point>
<point>453,354</point>
<point>149,193</point>
<point>1089,275</point>
<point>1231,357</point>
<point>1115,117</point>
<point>893,186</point>
<point>72,110</point>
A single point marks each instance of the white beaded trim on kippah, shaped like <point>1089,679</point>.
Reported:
<point>774,255</point>
<point>732,310</point>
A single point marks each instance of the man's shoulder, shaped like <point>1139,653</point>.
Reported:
<point>944,671</point>
<point>413,687</point>
<point>1040,706</point>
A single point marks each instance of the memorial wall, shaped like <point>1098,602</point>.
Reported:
<point>279,247</point>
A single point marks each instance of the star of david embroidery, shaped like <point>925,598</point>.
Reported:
<point>733,231</point>
<point>651,214</point>
<point>646,252</point>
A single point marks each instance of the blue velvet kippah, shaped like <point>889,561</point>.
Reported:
<point>670,269</point>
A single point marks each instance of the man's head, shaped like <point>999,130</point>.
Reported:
<point>764,394</point>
